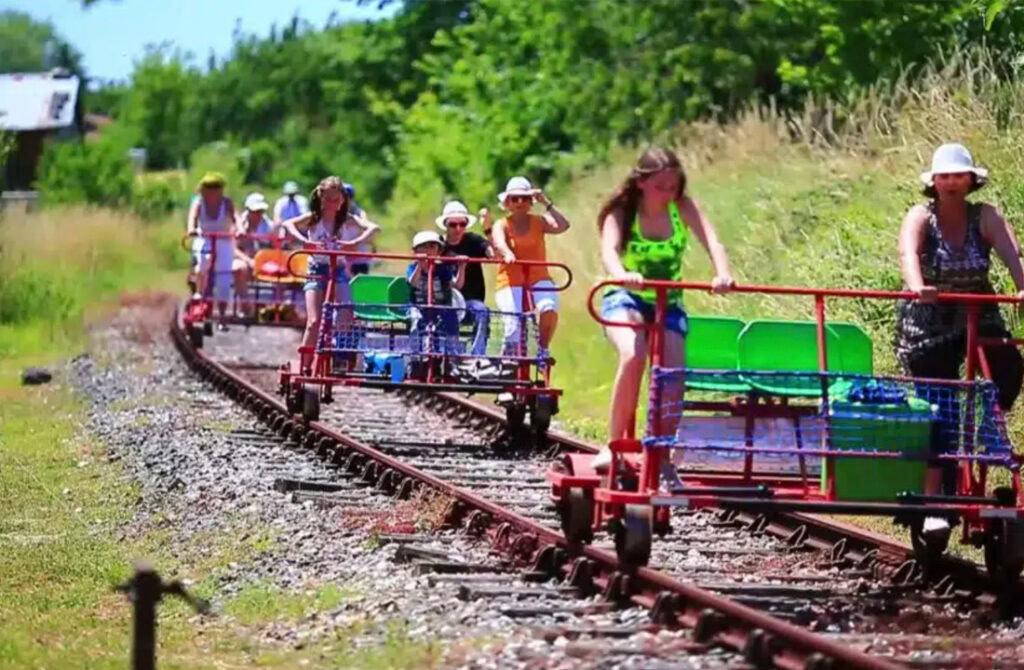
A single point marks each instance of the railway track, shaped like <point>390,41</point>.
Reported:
<point>784,591</point>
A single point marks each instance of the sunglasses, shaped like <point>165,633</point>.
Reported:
<point>520,198</point>
<point>456,224</point>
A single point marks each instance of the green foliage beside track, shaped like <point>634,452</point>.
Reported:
<point>453,97</point>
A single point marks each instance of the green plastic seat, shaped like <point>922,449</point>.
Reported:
<point>398,297</point>
<point>855,349</point>
<point>712,344</point>
<point>372,296</point>
<point>785,346</point>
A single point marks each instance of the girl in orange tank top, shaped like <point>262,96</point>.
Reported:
<point>520,237</point>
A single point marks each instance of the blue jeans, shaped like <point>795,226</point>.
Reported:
<point>478,314</point>
<point>446,328</point>
<point>318,276</point>
<point>621,299</point>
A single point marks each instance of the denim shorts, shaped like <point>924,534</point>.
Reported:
<point>619,299</point>
<point>318,276</point>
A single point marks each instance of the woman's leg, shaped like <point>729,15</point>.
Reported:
<point>241,290</point>
<point>1007,372</point>
<point>631,347</point>
<point>314,299</point>
<point>939,362</point>
<point>509,302</point>
<point>545,301</point>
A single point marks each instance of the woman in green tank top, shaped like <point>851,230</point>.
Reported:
<point>645,227</point>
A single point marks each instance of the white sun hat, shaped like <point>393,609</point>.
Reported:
<point>255,202</point>
<point>425,237</point>
<point>516,186</point>
<point>290,188</point>
<point>953,158</point>
<point>454,210</point>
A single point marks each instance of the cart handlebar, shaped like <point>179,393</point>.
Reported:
<point>662,287</point>
<point>309,250</point>
<point>276,240</point>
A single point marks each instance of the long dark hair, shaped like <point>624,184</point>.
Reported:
<point>626,198</point>
<point>316,208</point>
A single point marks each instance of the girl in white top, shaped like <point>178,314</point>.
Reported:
<point>323,226</point>
<point>212,212</point>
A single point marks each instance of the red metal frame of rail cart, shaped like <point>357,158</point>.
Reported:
<point>276,294</point>
<point>424,359</point>
<point>631,501</point>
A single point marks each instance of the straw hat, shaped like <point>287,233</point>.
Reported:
<point>954,158</point>
<point>454,210</point>
<point>516,186</point>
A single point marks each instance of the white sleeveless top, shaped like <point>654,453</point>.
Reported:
<point>321,233</point>
<point>350,230</point>
<point>218,224</point>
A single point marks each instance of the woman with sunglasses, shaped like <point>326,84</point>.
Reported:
<point>520,237</point>
<point>455,220</point>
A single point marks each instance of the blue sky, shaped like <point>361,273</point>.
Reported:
<point>111,34</point>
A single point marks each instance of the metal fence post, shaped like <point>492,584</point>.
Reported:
<point>145,589</point>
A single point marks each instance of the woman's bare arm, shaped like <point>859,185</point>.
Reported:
<point>708,238</point>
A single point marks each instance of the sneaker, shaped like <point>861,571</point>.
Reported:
<point>670,480</point>
<point>936,529</point>
<point>222,327</point>
<point>602,460</point>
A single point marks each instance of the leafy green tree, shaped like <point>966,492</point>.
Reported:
<point>27,45</point>
<point>160,105</point>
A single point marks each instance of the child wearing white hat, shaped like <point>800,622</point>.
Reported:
<point>945,246</point>
<point>520,236</point>
<point>424,294</point>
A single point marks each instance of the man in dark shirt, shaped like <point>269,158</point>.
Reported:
<point>455,220</point>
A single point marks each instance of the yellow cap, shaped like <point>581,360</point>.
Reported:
<point>212,180</point>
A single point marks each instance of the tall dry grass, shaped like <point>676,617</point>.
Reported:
<point>58,263</point>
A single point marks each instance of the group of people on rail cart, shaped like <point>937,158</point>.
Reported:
<point>645,226</point>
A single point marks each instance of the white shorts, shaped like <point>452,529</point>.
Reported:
<point>545,298</point>
<point>510,301</point>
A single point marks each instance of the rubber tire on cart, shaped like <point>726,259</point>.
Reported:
<point>515,416</point>
<point>577,515</point>
<point>310,402</point>
<point>540,420</point>
<point>195,337</point>
<point>633,536</point>
<point>1004,552</point>
<point>293,400</point>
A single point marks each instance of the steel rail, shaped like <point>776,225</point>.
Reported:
<point>766,641</point>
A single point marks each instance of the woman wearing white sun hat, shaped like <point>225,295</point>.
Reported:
<point>520,236</point>
<point>456,221</point>
<point>945,246</point>
<point>251,221</point>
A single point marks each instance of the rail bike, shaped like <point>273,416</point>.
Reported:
<point>789,416</point>
<point>376,338</point>
<point>271,296</point>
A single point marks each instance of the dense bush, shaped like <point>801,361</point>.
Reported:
<point>98,173</point>
<point>154,199</point>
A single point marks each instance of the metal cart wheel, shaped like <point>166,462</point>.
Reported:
<point>310,402</point>
<point>633,536</point>
<point>577,512</point>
